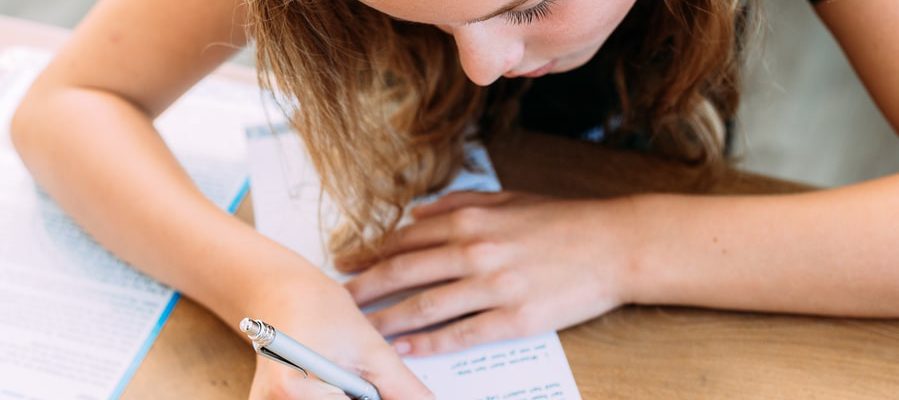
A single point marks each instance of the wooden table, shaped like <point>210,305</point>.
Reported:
<point>632,353</point>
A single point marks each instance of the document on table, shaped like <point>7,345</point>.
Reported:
<point>77,321</point>
<point>290,208</point>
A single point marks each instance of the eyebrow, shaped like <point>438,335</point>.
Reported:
<point>508,7</point>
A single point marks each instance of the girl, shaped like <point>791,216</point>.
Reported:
<point>388,88</point>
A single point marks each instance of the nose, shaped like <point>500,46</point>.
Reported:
<point>485,53</point>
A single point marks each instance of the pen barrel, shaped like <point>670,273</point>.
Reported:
<point>324,369</point>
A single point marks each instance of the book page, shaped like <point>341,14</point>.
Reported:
<point>290,208</point>
<point>78,321</point>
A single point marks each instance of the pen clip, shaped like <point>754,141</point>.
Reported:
<point>262,351</point>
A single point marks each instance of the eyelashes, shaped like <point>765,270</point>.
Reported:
<point>531,15</point>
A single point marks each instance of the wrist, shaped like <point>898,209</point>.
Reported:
<point>302,287</point>
<point>267,278</point>
<point>642,218</point>
<point>613,244</point>
<point>665,266</point>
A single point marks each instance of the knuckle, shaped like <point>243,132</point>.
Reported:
<point>394,269</point>
<point>370,374</point>
<point>522,321</point>
<point>424,306</point>
<point>507,195</point>
<point>507,284</point>
<point>466,220</point>
<point>425,342</point>
<point>399,236</point>
<point>477,255</point>
<point>366,373</point>
<point>455,195</point>
<point>464,335</point>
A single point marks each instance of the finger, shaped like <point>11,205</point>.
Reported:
<point>456,200</point>
<point>433,306</point>
<point>417,235</point>
<point>390,375</point>
<point>406,271</point>
<point>421,234</point>
<point>459,226</point>
<point>316,389</point>
<point>356,262</point>
<point>274,381</point>
<point>482,328</point>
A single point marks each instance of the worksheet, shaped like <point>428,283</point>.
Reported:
<point>77,321</point>
<point>290,208</point>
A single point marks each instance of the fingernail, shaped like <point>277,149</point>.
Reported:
<point>402,347</point>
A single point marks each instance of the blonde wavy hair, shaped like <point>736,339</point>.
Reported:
<point>383,105</point>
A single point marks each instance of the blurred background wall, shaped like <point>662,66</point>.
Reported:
<point>65,13</point>
<point>805,115</point>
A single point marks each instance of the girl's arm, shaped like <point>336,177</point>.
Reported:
<point>866,29</point>
<point>832,252</point>
<point>85,131</point>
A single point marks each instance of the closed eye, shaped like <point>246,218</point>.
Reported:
<point>531,15</point>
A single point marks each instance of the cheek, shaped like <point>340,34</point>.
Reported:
<point>577,25</point>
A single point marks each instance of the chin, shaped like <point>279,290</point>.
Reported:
<point>568,66</point>
<point>575,61</point>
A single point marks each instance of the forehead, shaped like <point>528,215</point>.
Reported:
<point>437,12</point>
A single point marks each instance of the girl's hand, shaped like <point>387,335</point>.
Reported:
<point>499,266</point>
<point>276,381</point>
<point>322,316</point>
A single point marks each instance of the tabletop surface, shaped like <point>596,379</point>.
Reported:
<point>631,353</point>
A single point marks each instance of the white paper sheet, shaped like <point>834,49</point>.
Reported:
<point>286,199</point>
<point>77,322</point>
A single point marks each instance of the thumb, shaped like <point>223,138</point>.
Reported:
<point>394,380</point>
<point>274,381</point>
<point>316,389</point>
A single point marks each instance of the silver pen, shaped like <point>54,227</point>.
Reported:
<point>271,343</point>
